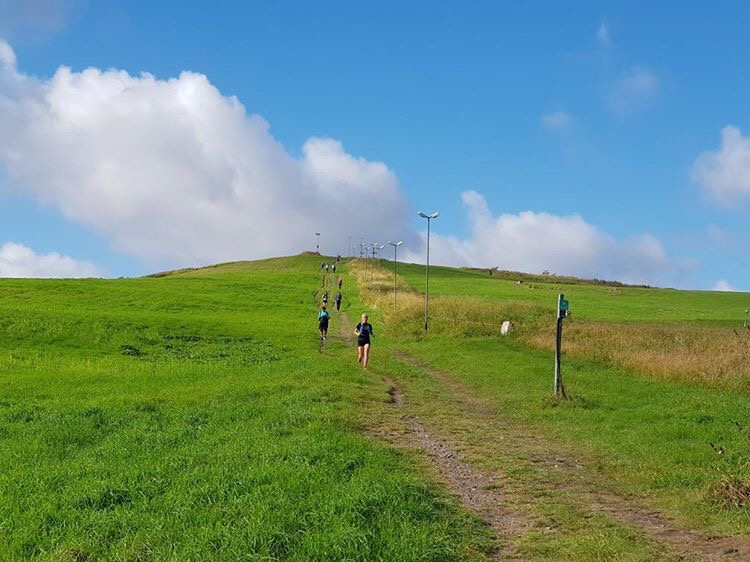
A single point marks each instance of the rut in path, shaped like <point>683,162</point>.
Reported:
<point>479,493</point>
<point>687,544</point>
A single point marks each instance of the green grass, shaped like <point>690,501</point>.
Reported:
<point>644,438</point>
<point>191,417</point>
<point>590,302</point>
<point>670,444</point>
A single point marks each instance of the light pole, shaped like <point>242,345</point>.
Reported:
<point>427,282</point>
<point>395,248</point>
<point>317,243</point>
<point>368,269</point>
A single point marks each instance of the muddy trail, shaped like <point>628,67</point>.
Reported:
<point>489,493</point>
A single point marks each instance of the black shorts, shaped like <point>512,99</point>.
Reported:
<point>323,325</point>
<point>361,342</point>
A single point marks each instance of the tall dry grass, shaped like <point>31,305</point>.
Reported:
<point>689,353</point>
<point>715,355</point>
<point>449,316</point>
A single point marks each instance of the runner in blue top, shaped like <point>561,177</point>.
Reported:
<point>323,317</point>
<point>363,331</point>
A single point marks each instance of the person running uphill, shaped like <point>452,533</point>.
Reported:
<point>363,331</point>
<point>337,300</point>
<point>323,317</point>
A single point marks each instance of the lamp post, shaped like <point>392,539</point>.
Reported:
<point>395,261</point>
<point>368,263</point>
<point>427,274</point>
<point>380,248</point>
<point>317,243</point>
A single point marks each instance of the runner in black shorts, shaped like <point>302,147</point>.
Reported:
<point>323,317</point>
<point>363,331</point>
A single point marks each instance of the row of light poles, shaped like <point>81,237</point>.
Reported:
<point>377,248</point>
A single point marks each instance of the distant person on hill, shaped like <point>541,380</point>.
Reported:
<point>325,298</point>
<point>326,268</point>
<point>363,331</point>
<point>322,265</point>
<point>337,300</point>
<point>341,280</point>
<point>323,317</point>
<point>334,268</point>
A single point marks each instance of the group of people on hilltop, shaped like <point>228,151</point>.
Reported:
<point>329,267</point>
<point>363,331</point>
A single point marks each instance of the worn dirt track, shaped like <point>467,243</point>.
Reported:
<point>482,493</point>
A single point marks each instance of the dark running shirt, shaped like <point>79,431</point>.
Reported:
<point>365,331</point>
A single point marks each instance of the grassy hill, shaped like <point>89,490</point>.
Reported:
<point>192,416</point>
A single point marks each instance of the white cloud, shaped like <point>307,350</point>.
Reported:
<point>175,173</point>
<point>633,90</point>
<point>723,285</point>
<point>725,173</point>
<point>557,121</point>
<point>602,34</point>
<point>17,260</point>
<point>7,56</point>
<point>535,242</point>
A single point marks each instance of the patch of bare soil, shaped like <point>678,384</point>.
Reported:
<point>685,543</point>
<point>479,493</point>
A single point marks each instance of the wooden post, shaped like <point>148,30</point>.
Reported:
<point>559,387</point>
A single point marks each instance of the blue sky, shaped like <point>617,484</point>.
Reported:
<point>599,111</point>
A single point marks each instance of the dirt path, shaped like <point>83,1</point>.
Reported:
<point>467,481</point>
<point>480,494</point>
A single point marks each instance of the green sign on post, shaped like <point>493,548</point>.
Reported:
<point>564,304</point>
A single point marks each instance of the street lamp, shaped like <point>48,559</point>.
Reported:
<point>317,243</point>
<point>427,283</point>
<point>395,248</point>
